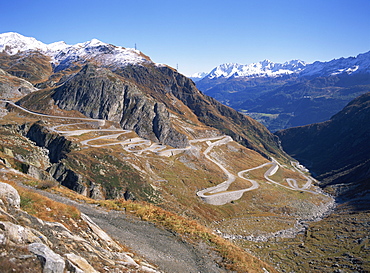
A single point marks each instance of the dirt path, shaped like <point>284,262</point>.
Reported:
<point>156,245</point>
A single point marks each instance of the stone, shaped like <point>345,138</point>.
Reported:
<point>81,264</point>
<point>2,239</point>
<point>51,262</point>
<point>9,195</point>
<point>125,259</point>
<point>71,268</point>
<point>18,234</point>
<point>8,152</point>
<point>100,233</point>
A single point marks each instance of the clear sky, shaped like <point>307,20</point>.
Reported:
<point>199,35</point>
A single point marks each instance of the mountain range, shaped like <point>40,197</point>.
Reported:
<point>267,68</point>
<point>185,182</point>
<point>290,94</point>
<point>59,62</point>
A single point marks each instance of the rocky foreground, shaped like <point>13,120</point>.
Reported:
<point>30,244</point>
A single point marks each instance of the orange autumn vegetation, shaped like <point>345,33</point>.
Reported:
<point>234,257</point>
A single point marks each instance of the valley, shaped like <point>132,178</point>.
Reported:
<point>94,134</point>
<point>290,94</point>
<point>216,195</point>
<point>133,143</point>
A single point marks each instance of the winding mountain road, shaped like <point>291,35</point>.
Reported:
<point>216,195</point>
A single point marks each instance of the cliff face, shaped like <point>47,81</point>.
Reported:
<point>99,93</point>
<point>58,146</point>
<point>143,97</point>
<point>13,87</point>
<point>167,85</point>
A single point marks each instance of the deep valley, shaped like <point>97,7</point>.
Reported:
<point>137,170</point>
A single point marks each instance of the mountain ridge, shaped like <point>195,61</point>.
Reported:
<point>152,83</point>
<point>267,68</point>
<point>282,98</point>
<point>345,161</point>
<point>62,54</point>
<point>122,133</point>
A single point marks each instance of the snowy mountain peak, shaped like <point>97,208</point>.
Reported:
<point>265,68</point>
<point>198,76</point>
<point>12,43</point>
<point>57,46</point>
<point>92,43</point>
<point>62,54</point>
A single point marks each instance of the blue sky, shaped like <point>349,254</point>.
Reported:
<point>199,35</point>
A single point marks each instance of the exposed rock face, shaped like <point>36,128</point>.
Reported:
<point>85,249</point>
<point>13,87</point>
<point>68,178</point>
<point>52,262</point>
<point>99,93</point>
<point>9,195</point>
<point>18,234</point>
<point>57,145</point>
<point>78,262</point>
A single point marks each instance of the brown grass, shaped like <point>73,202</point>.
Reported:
<point>45,208</point>
<point>234,258</point>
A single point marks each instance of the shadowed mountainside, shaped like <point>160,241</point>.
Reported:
<point>337,151</point>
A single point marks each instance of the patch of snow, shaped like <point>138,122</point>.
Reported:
<point>349,70</point>
<point>63,54</point>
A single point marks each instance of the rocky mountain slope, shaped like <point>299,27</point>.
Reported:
<point>74,242</point>
<point>139,138</point>
<point>101,173</point>
<point>337,150</point>
<point>145,93</point>
<point>289,94</point>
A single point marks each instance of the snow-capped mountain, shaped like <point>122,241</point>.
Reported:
<point>266,68</point>
<point>198,76</point>
<point>62,54</point>
<point>13,43</point>
<point>350,65</point>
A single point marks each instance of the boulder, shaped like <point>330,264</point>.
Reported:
<point>79,262</point>
<point>9,195</point>
<point>51,262</point>
<point>18,234</point>
<point>100,233</point>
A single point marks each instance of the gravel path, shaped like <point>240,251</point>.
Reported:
<point>156,245</point>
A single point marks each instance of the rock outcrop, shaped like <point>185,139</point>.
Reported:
<point>99,93</point>
<point>51,262</point>
<point>24,239</point>
<point>57,145</point>
<point>9,196</point>
<point>13,87</point>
